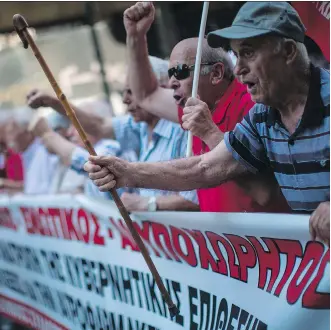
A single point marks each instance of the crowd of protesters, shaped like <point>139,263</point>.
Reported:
<point>260,126</point>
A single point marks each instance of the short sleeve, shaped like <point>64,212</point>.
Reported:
<point>246,145</point>
<point>127,132</point>
<point>78,158</point>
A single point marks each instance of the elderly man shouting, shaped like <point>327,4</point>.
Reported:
<point>286,132</point>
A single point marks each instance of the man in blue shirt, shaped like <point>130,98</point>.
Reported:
<point>152,138</point>
<point>287,132</point>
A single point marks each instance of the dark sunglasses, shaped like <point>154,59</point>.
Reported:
<point>182,71</point>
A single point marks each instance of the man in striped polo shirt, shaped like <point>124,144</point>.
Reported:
<point>286,132</point>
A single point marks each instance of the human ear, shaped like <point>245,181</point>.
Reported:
<point>217,73</point>
<point>290,50</point>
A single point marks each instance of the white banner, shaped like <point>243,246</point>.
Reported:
<point>67,262</point>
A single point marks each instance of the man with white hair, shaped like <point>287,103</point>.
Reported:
<point>38,164</point>
<point>152,138</point>
<point>287,132</point>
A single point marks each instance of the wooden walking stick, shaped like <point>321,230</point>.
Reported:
<point>21,26</point>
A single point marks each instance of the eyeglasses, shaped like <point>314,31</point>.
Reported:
<point>182,71</point>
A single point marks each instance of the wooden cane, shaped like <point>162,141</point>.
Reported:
<point>197,68</point>
<point>21,26</point>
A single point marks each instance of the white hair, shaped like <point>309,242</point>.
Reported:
<point>23,115</point>
<point>214,55</point>
<point>160,68</point>
<point>56,120</point>
<point>98,107</point>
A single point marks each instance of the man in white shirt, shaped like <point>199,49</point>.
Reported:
<point>38,163</point>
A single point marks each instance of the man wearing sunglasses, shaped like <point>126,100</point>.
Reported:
<point>227,102</point>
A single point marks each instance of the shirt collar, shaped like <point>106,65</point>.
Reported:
<point>313,114</point>
<point>225,100</point>
<point>163,129</point>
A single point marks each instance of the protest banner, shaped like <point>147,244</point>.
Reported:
<point>69,262</point>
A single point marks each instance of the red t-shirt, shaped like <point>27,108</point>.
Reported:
<point>315,16</point>
<point>229,197</point>
<point>14,166</point>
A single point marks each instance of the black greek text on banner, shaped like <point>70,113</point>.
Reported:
<point>68,262</point>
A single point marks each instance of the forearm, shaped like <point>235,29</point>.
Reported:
<point>175,203</point>
<point>142,79</point>
<point>176,175</point>
<point>144,84</point>
<point>208,170</point>
<point>58,145</point>
<point>91,123</point>
<point>213,138</point>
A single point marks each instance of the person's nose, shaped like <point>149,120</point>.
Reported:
<point>240,68</point>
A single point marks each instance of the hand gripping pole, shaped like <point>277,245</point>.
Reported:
<point>197,68</point>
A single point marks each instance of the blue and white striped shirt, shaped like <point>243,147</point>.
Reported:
<point>103,147</point>
<point>301,161</point>
<point>168,142</point>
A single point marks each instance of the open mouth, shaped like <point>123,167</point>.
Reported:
<point>179,100</point>
<point>250,86</point>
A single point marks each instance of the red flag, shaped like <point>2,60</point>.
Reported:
<point>315,15</point>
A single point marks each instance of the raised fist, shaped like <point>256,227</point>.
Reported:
<point>36,99</point>
<point>139,18</point>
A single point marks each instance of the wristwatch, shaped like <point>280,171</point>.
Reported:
<point>151,204</point>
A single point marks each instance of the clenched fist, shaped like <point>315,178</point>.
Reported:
<point>139,18</point>
<point>36,99</point>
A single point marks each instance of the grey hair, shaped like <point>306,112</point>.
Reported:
<point>98,107</point>
<point>160,69</point>
<point>56,120</point>
<point>22,115</point>
<point>214,55</point>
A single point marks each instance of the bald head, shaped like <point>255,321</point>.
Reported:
<point>185,53</point>
<point>216,72</point>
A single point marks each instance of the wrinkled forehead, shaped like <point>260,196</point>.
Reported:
<point>255,42</point>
